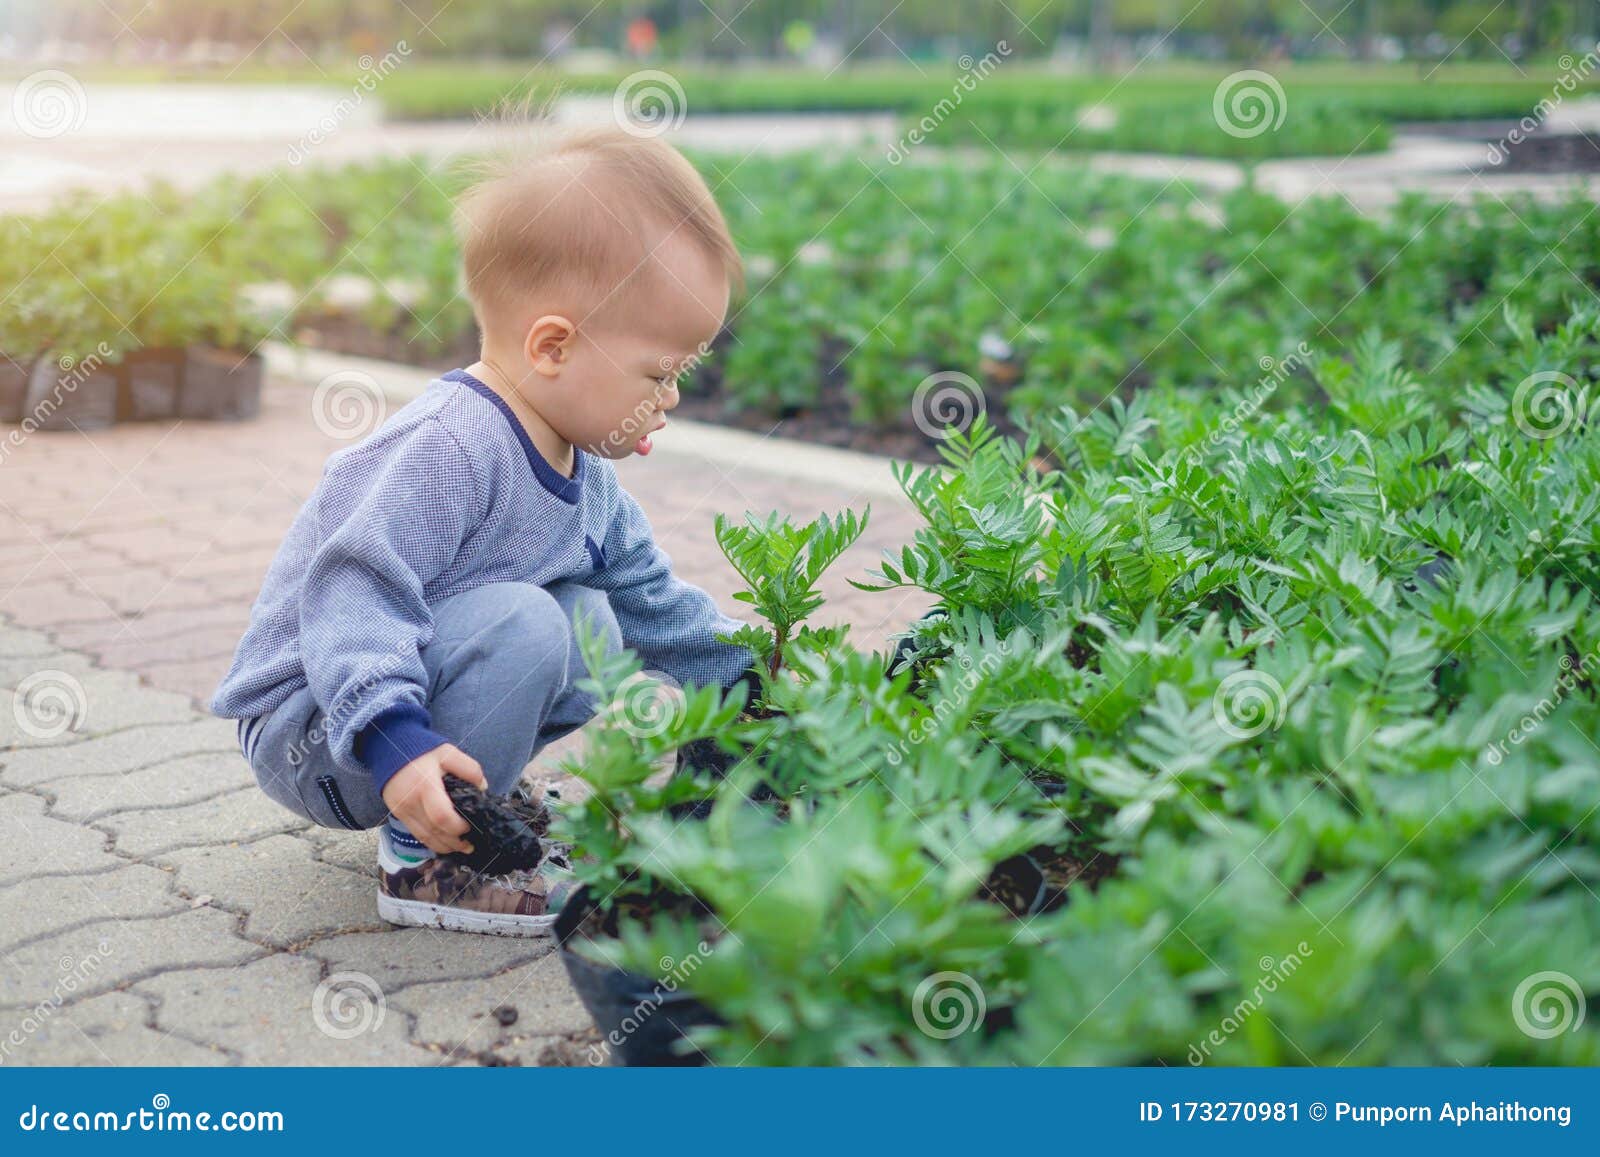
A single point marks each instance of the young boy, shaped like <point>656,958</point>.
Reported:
<point>417,620</point>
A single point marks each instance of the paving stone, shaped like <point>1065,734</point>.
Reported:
<point>233,818</point>
<point>108,953</point>
<point>179,781</point>
<point>15,669</point>
<point>37,845</point>
<point>202,643</point>
<point>103,1030</point>
<point>153,628</point>
<point>280,1011</point>
<point>121,752</point>
<point>196,680</point>
<point>290,895</point>
<point>35,908</point>
<point>353,851</point>
<point>20,642</point>
<point>401,956</point>
<point>458,1015</point>
<point>79,705</point>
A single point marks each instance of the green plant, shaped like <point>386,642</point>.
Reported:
<point>781,565</point>
<point>1301,714</point>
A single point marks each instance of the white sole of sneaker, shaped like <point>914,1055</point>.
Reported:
<point>420,914</point>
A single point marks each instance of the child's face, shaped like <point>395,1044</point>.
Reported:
<point>618,371</point>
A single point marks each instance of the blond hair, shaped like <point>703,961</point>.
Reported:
<point>581,212</point>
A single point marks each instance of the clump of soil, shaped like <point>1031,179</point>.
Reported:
<point>504,832</point>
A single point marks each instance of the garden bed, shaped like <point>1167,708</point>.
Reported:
<point>1214,754</point>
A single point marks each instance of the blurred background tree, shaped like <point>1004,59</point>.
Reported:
<point>1086,32</point>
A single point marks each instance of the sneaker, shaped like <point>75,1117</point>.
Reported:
<point>443,892</point>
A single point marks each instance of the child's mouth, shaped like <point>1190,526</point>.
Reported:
<point>643,446</point>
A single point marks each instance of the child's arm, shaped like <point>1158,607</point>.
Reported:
<point>671,624</point>
<point>387,527</point>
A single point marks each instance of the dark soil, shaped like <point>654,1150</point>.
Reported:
<point>1540,151</point>
<point>504,832</point>
<point>1039,879</point>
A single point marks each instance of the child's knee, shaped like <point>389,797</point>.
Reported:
<point>579,601</point>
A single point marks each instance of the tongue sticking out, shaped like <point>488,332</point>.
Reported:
<point>642,446</point>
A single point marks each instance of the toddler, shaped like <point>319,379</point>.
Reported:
<point>417,620</point>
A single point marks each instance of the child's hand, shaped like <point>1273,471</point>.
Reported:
<point>416,797</point>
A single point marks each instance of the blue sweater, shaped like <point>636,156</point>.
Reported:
<point>448,495</point>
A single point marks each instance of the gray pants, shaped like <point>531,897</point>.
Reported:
<point>501,671</point>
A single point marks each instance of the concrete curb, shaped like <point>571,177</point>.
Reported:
<point>725,448</point>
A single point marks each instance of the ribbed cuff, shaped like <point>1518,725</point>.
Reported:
<point>393,739</point>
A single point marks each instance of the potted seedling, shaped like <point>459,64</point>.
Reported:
<point>19,334</point>
<point>75,381</point>
<point>640,723</point>
<point>152,374</point>
<point>781,565</point>
<point>223,373</point>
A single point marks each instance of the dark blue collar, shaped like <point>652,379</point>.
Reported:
<point>564,488</point>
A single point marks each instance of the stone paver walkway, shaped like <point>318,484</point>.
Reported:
<point>155,906</point>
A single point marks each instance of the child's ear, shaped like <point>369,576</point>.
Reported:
<point>548,343</point>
